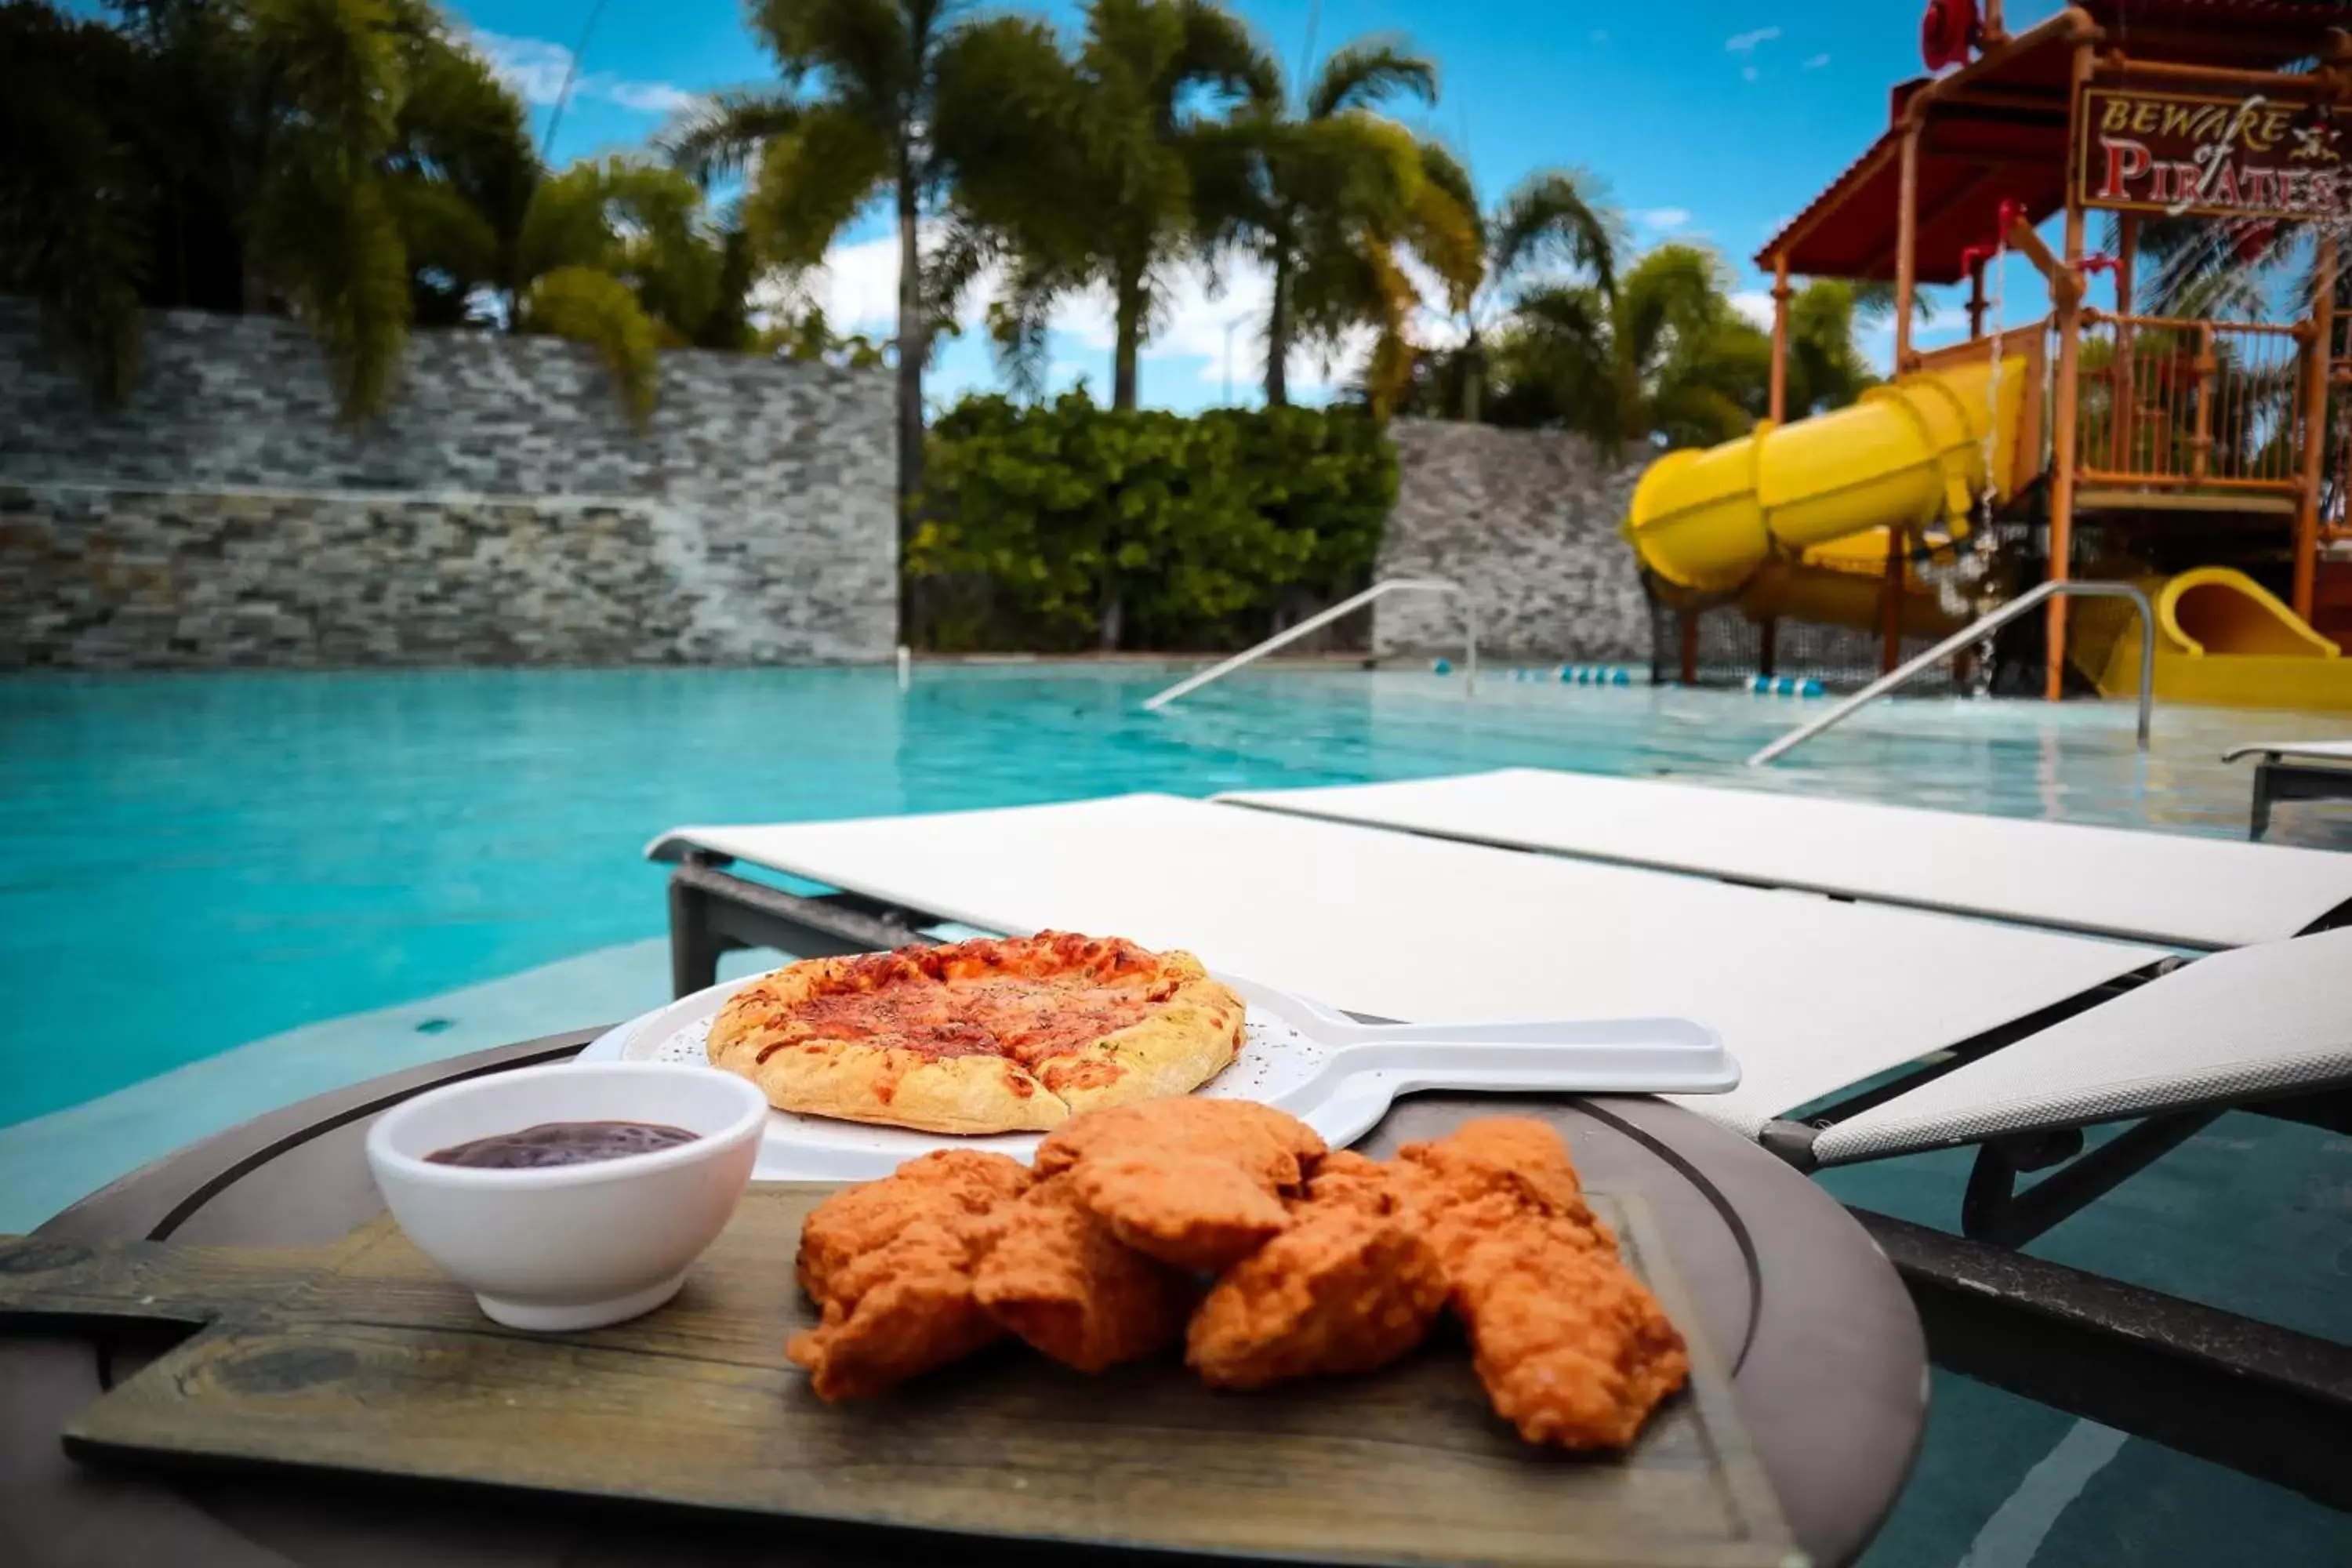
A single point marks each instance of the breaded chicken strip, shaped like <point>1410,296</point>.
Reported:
<point>1059,1280</point>
<point>1349,1286</point>
<point>889,1265</point>
<point>1193,1183</point>
<point>1571,1348</point>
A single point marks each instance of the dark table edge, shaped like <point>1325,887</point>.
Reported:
<point>197,1171</point>
<point>1806,1275</point>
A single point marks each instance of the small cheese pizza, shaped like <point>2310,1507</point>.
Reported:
<point>1001,1035</point>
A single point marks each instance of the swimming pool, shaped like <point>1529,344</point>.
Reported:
<point>220,893</point>
<point>206,860</point>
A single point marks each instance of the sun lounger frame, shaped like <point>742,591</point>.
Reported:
<point>2278,778</point>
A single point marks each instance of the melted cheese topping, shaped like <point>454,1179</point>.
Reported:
<point>1030,1000</point>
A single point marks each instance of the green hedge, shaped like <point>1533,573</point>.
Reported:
<point>1046,526</point>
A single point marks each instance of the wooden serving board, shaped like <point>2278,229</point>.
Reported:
<point>362,1358</point>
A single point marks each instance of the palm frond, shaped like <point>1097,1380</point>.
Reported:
<point>1441,168</point>
<point>1556,217</point>
<point>1003,102</point>
<point>597,308</point>
<point>718,134</point>
<point>952,266</point>
<point>1874,302</point>
<point>324,227</point>
<point>1018,321</point>
<point>1368,72</point>
<point>1674,289</point>
<point>812,183</point>
<point>566,224</point>
<point>1221,48</point>
<point>73,202</point>
<point>333,244</point>
<point>870,56</point>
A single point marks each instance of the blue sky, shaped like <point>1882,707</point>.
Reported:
<point>1707,120</point>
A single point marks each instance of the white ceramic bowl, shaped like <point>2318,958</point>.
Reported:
<point>571,1247</point>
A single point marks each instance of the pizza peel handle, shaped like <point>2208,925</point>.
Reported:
<point>1355,1086</point>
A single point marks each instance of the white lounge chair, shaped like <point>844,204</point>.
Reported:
<point>2151,886</point>
<point>2295,770</point>
<point>1809,993</point>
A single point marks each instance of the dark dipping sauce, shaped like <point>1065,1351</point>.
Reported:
<point>562,1143</point>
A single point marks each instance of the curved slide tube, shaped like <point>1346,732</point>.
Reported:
<point>2221,639</point>
<point>1910,455</point>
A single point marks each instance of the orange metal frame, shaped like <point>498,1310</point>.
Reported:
<point>2066,271</point>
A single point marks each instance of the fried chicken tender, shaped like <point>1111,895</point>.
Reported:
<point>1349,1286</point>
<point>889,1265</point>
<point>1571,1348</point>
<point>1344,1177</point>
<point>1194,1182</point>
<point>1059,1280</point>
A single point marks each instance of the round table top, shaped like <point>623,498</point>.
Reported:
<point>1829,1359</point>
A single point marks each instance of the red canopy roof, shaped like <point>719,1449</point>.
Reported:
<point>1996,128</point>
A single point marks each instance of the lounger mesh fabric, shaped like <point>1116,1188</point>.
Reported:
<point>1810,994</point>
<point>2238,1025</point>
<point>2147,887</point>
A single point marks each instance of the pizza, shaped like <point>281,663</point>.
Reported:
<point>1000,1035</point>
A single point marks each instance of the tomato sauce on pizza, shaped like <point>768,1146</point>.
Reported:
<point>913,1037</point>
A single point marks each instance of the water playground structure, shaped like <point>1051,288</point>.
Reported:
<point>2204,458</point>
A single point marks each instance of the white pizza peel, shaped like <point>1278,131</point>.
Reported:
<point>1332,1072</point>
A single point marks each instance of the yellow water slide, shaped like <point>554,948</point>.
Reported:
<point>1794,519</point>
<point>2221,638</point>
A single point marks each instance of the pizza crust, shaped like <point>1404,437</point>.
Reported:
<point>992,1036</point>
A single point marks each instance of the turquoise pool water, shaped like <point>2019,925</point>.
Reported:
<point>204,860</point>
<point>219,893</point>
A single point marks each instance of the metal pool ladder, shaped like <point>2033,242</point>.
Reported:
<point>1196,681</point>
<point>1974,632</point>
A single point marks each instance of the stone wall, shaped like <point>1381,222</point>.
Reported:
<point>500,510</point>
<point>1527,521</point>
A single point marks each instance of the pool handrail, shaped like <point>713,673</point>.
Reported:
<point>1974,631</point>
<point>1199,679</point>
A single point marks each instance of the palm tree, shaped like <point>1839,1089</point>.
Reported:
<point>1325,198</point>
<point>462,172</point>
<point>1554,217</point>
<point>229,155</point>
<point>903,99</point>
<point>76,207</point>
<point>1662,355</point>
<point>351,164</point>
<point>1111,204</point>
<point>1826,367</point>
<point>622,255</point>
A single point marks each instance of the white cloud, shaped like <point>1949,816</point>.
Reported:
<point>857,287</point>
<point>1816,62</point>
<point>1746,43</point>
<point>532,66</point>
<point>1755,304</point>
<point>1662,218</point>
<point>1747,73</point>
<point>535,68</point>
<point>648,96</point>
